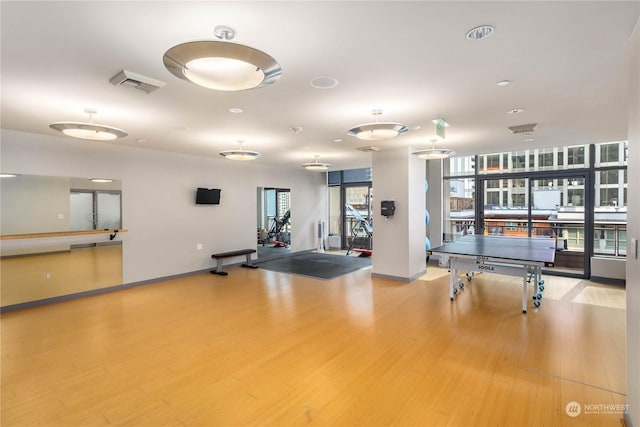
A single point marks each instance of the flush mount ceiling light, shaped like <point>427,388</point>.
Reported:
<point>377,131</point>
<point>316,165</point>
<point>222,65</point>
<point>434,153</point>
<point>90,130</point>
<point>481,32</point>
<point>240,153</point>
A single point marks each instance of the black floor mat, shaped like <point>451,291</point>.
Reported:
<point>320,266</point>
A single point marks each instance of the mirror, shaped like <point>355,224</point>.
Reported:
<point>274,222</point>
<point>36,267</point>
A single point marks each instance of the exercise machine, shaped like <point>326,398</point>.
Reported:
<point>360,228</point>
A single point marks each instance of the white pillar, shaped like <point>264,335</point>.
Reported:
<point>398,242</point>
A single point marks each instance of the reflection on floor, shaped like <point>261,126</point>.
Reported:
<point>558,288</point>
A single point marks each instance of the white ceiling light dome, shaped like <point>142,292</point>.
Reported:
<point>240,154</point>
<point>377,131</point>
<point>316,165</point>
<point>89,130</point>
<point>434,153</point>
<point>221,65</point>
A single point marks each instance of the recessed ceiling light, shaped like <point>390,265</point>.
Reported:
<point>8,175</point>
<point>527,140</point>
<point>368,149</point>
<point>100,180</point>
<point>481,32</point>
<point>324,82</point>
<point>338,140</point>
<point>515,110</point>
<point>235,110</point>
<point>503,83</point>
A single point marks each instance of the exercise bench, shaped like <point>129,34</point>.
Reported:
<point>219,257</point>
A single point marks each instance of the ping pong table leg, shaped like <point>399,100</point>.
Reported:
<point>524,292</point>
<point>453,278</point>
<point>538,287</point>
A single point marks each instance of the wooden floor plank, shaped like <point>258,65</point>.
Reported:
<point>264,348</point>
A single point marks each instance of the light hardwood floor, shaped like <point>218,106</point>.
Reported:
<point>270,349</point>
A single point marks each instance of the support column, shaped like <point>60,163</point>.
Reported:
<point>398,242</point>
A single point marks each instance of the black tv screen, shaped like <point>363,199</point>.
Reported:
<point>208,196</point>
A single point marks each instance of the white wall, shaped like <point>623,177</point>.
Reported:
<point>633,231</point>
<point>158,199</point>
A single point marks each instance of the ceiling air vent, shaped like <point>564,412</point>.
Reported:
<point>526,129</point>
<point>368,149</point>
<point>136,81</point>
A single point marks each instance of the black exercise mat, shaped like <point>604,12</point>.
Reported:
<point>319,266</point>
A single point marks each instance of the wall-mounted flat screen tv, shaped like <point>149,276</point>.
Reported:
<point>208,196</point>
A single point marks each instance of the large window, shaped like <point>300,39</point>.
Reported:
<point>559,177</point>
<point>610,204</point>
<point>460,207</point>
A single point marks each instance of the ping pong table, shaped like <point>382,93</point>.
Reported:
<point>512,256</point>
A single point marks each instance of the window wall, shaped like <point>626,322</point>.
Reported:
<point>556,182</point>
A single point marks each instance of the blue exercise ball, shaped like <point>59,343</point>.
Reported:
<point>426,217</point>
<point>426,185</point>
<point>427,244</point>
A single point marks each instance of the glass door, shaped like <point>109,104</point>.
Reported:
<point>357,225</point>
<point>559,212</point>
<point>108,211</point>
<point>91,210</point>
<point>531,206</point>
<point>505,207</point>
<point>81,211</point>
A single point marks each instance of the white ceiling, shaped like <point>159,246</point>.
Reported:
<point>566,62</point>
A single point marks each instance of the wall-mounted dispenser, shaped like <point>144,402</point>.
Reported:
<point>387,208</point>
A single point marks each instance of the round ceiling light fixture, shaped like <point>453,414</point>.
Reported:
<point>434,153</point>
<point>221,65</point>
<point>316,165</point>
<point>90,130</point>
<point>240,154</point>
<point>377,131</point>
